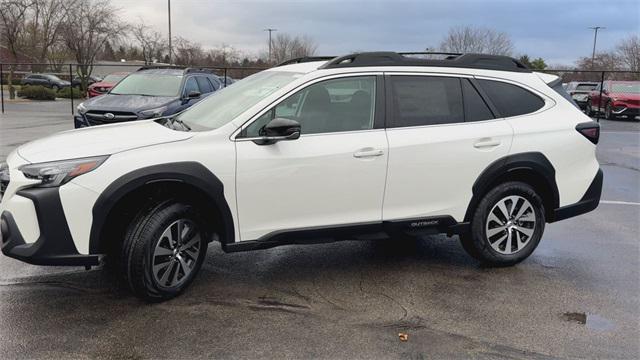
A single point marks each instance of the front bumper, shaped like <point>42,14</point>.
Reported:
<point>590,200</point>
<point>55,244</point>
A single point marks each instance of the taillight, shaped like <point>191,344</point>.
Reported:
<point>590,130</point>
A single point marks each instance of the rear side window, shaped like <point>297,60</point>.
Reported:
<point>475,108</point>
<point>561,90</point>
<point>426,100</point>
<point>511,100</point>
<point>204,84</point>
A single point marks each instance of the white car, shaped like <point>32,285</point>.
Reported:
<point>364,146</point>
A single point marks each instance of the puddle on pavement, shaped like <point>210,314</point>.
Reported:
<point>591,321</point>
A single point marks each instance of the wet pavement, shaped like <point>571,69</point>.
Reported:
<point>577,296</point>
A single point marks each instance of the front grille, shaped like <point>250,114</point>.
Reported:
<point>98,117</point>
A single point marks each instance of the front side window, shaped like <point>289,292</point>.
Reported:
<point>149,84</point>
<point>426,100</point>
<point>191,86</point>
<point>345,104</point>
<point>509,99</point>
<point>204,84</point>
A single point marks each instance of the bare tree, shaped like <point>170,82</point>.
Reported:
<point>88,26</point>
<point>602,61</point>
<point>13,16</point>
<point>186,52</point>
<point>628,50</point>
<point>45,20</point>
<point>151,42</point>
<point>468,39</point>
<point>285,47</point>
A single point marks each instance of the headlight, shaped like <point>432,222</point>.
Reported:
<point>81,109</point>
<point>57,173</point>
<point>157,112</point>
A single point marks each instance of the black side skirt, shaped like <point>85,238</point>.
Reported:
<point>363,231</point>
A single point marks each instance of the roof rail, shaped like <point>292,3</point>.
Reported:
<point>388,58</point>
<point>305,59</point>
<point>153,67</point>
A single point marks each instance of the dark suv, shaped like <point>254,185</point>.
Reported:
<point>150,92</point>
<point>46,80</point>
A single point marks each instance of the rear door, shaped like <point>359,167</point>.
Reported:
<point>442,135</point>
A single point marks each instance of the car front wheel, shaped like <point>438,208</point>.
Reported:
<point>507,225</point>
<point>163,251</point>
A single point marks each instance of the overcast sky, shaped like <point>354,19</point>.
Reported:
<point>555,30</point>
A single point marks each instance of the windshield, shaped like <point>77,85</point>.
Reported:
<point>113,78</point>
<point>53,77</point>
<point>224,105</point>
<point>629,88</point>
<point>149,84</point>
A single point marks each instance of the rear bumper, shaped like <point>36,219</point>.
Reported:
<point>589,201</point>
<point>55,245</point>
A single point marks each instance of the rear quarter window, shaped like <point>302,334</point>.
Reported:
<point>511,100</point>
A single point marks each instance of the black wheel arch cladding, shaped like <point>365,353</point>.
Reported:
<point>189,173</point>
<point>508,168</point>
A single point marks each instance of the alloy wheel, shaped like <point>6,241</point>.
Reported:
<point>510,224</point>
<point>176,253</point>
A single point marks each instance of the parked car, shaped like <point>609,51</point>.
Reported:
<point>150,92</point>
<point>619,98</point>
<point>46,80</point>
<point>103,86</point>
<point>229,80</point>
<point>364,146</point>
<point>580,90</point>
<point>91,79</point>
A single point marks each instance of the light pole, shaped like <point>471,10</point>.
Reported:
<point>169,12</point>
<point>270,31</point>
<point>595,39</point>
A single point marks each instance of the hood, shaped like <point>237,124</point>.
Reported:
<point>99,140</point>
<point>132,103</point>
<point>102,84</point>
<point>624,96</point>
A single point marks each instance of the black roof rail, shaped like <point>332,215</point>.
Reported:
<point>305,59</point>
<point>389,58</point>
<point>154,67</point>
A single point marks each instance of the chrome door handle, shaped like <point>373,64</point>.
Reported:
<point>486,143</point>
<point>368,152</point>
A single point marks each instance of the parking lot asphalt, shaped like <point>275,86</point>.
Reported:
<point>577,296</point>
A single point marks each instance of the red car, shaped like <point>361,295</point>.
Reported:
<point>619,98</point>
<point>106,84</point>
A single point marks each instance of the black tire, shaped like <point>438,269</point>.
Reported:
<point>608,113</point>
<point>141,239</point>
<point>55,88</point>
<point>477,244</point>
<point>588,109</point>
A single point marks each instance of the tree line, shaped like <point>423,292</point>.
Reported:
<point>54,32</point>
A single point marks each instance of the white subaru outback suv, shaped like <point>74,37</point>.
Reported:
<point>364,146</point>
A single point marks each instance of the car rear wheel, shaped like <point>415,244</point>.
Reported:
<point>507,225</point>
<point>163,251</point>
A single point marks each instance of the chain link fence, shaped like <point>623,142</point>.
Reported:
<point>57,77</point>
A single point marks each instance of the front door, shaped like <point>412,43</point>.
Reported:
<point>333,175</point>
